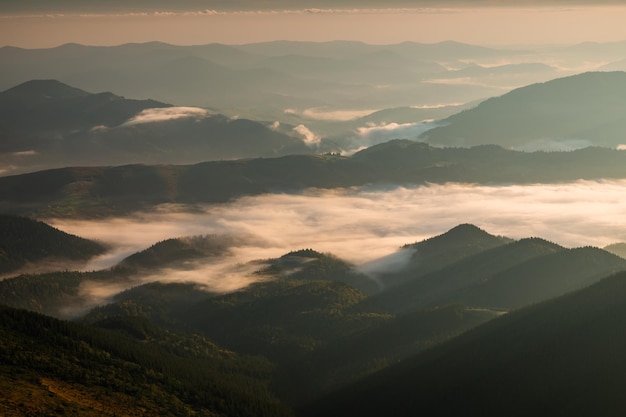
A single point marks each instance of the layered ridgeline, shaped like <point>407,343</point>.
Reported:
<point>100,191</point>
<point>319,322</point>
<point>562,357</point>
<point>267,78</point>
<point>49,124</point>
<point>562,114</point>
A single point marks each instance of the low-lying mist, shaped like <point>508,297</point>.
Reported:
<point>366,226</point>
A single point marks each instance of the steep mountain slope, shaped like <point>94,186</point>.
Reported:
<point>25,241</point>
<point>563,357</point>
<point>566,113</point>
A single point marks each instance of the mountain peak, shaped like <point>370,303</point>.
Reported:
<point>460,241</point>
<point>42,90</point>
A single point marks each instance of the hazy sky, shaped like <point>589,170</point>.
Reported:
<point>38,23</point>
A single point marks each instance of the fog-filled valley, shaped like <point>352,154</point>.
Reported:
<point>298,226</point>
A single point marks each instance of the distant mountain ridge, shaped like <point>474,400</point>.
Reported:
<point>92,191</point>
<point>565,113</point>
<point>49,123</point>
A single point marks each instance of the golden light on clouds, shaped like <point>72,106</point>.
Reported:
<point>489,26</point>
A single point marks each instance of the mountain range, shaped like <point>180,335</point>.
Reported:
<point>96,191</point>
<point>304,315</point>
<point>51,124</point>
<point>561,114</point>
<point>158,319</point>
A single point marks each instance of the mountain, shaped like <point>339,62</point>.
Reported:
<point>563,357</point>
<point>124,367</point>
<point>505,277</point>
<point>25,242</point>
<point>51,124</point>
<point>377,347</point>
<point>565,113</point>
<point>308,264</point>
<point>178,251</point>
<point>42,109</point>
<point>119,190</point>
<point>618,249</point>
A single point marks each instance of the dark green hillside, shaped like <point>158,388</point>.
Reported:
<point>308,264</point>
<point>51,367</point>
<point>171,252</point>
<point>280,318</point>
<point>377,347</point>
<point>560,358</point>
<point>277,319</point>
<point>162,304</point>
<point>62,294</point>
<point>440,251</point>
<point>101,191</point>
<point>542,278</point>
<point>448,283</point>
<point>507,277</point>
<point>24,241</point>
<point>585,107</point>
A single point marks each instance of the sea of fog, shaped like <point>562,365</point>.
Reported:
<point>362,224</point>
<point>366,226</point>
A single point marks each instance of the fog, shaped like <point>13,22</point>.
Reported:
<point>166,114</point>
<point>364,224</point>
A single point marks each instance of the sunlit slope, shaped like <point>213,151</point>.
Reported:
<point>562,357</point>
<point>61,368</point>
<point>565,113</point>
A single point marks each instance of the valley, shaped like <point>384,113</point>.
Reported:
<point>322,223</point>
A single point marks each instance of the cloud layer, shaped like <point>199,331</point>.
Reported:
<point>364,224</point>
<point>166,114</point>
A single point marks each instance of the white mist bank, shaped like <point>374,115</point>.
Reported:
<point>363,224</point>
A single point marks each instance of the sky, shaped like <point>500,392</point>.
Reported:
<point>40,24</point>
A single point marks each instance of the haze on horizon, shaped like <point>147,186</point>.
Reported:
<point>40,24</point>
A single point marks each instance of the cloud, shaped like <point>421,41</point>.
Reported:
<point>366,226</point>
<point>554,145</point>
<point>373,134</point>
<point>308,137</point>
<point>318,113</point>
<point>166,114</point>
